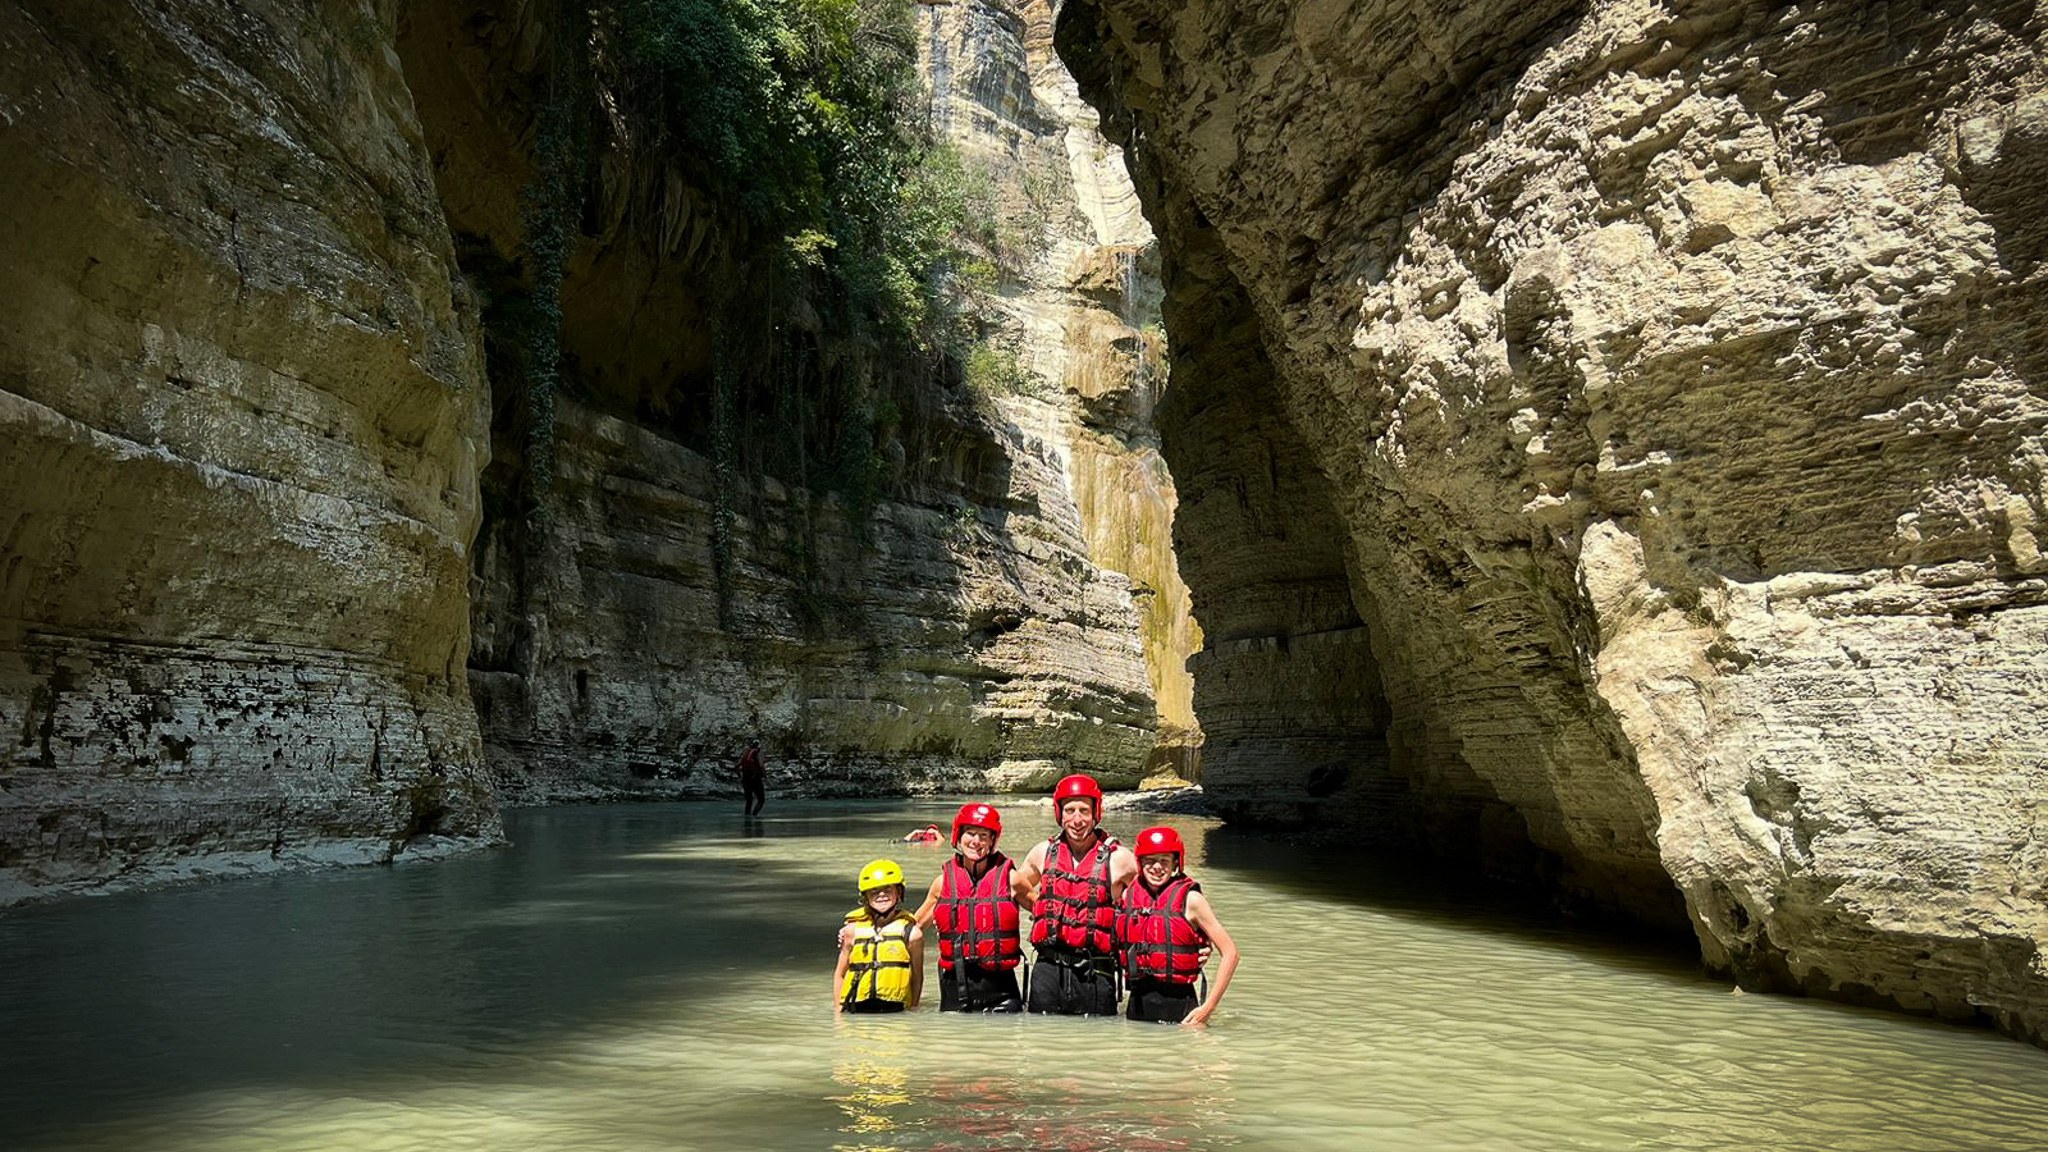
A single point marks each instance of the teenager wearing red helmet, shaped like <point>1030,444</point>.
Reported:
<point>1073,882</point>
<point>974,901</point>
<point>1163,926</point>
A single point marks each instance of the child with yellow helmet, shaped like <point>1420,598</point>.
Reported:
<point>881,948</point>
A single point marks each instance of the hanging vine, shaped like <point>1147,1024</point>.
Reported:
<point>552,202</point>
<point>725,463</point>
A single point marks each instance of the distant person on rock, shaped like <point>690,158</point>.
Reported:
<point>1165,929</point>
<point>881,948</point>
<point>753,778</point>
<point>975,901</point>
<point>1073,882</point>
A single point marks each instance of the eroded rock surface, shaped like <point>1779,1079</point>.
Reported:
<point>1077,291</point>
<point>244,426</point>
<point>241,418</point>
<point>1622,425</point>
<point>952,645</point>
<point>958,635</point>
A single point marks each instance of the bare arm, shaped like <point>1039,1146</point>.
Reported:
<point>1123,868</point>
<point>1021,891</point>
<point>916,965</point>
<point>839,969</point>
<point>1028,875</point>
<point>1202,916</point>
<point>929,910</point>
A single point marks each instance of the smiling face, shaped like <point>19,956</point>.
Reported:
<point>1159,867</point>
<point>881,901</point>
<point>1077,818</point>
<point>975,842</point>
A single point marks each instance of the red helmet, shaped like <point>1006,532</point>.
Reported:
<point>1153,841</point>
<point>1073,787</point>
<point>977,816</point>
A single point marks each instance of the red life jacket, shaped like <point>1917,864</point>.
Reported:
<point>977,919</point>
<point>1074,910</point>
<point>1156,937</point>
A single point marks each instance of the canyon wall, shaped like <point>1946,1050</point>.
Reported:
<point>1076,296</point>
<point>241,421</point>
<point>270,592</point>
<point>957,635</point>
<point>1610,444</point>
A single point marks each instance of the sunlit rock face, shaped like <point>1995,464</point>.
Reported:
<point>241,420</point>
<point>1077,294</point>
<point>958,636</point>
<point>1621,426</point>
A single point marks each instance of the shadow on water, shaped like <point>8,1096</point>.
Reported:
<point>1421,890</point>
<point>363,978</point>
<point>1425,892</point>
<point>655,965</point>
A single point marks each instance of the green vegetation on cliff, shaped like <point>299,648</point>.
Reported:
<point>824,308</point>
<point>806,114</point>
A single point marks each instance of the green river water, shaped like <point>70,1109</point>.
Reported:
<point>656,978</point>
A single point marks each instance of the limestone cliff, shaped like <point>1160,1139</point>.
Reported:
<point>241,420</point>
<point>1610,440</point>
<point>955,635</point>
<point>269,519</point>
<point>1076,292</point>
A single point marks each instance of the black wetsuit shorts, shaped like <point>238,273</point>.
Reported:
<point>968,987</point>
<point>1161,1001</point>
<point>1072,984</point>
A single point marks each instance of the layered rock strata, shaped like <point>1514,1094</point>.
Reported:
<point>1077,297</point>
<point>241,420</point>
<point>957,636</point>
<point>962,645</point>
<point>1640,407</point>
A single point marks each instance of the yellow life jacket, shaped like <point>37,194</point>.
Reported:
<point>879,967</point>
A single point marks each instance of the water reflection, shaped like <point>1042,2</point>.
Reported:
<point>646,979</point>
<point>872,1067</point>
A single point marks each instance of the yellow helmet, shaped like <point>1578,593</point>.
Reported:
<point>880,874</point>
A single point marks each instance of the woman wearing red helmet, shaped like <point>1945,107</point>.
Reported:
<point>1163,926</point>
<point>974,901</point>
<point>1073,882</point>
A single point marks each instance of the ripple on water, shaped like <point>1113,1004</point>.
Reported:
<point>654,978</point>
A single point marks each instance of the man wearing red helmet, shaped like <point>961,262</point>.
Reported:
<point>974,901</point>
<point>1164,928</point>
<point>1073,882</point>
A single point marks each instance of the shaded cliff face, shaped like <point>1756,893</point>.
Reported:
<point>955,635</point>
<point>244,426</point>
<point>1077,293</point>
<point>1623,426</point>
<point>241,418</point>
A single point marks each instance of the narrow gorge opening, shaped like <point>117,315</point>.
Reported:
<point>1609,437</point>
<point>746,510</point>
